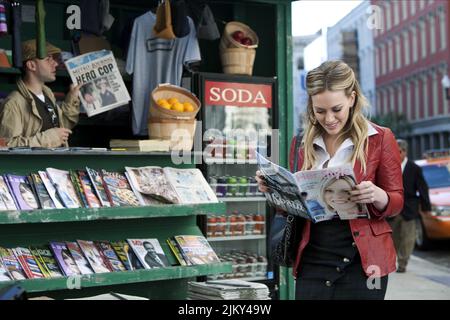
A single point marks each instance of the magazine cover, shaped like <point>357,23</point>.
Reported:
<point>190,185</point>
<point>110,255</point>
<point>144,199</point>
<point>149,253</point>
<point>64,187</point>
<point>6,199</point>
<point>131,258</point>
<point>50,189</point>
<point>4,273</point>
<point>99,187</point>
<point>48,261</point>
<point>119,190</point>
<point>93,256</point>
<point>43,196</point>
<point>152,181</point>
<point>196,249</point>
<point>317,195</point>
<point>77,185</point>
<point>40,262</point>
<point>176,251</point>
<point>102,87</point>
<point>285,194</point>
<point>28,263</point>
<point>23,192</point>
<point>80,260</point>
<point>65,260</point>
<point>88,190</point>
<point>330,189</point>
<point>121,248</point>
<point>12,264</point>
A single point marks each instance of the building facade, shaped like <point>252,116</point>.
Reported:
<point>300,96</point>
<point>351,40</point>
<point>412,56</point>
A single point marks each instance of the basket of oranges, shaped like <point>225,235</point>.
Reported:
<point>172,116</point>
<point>172,102</point>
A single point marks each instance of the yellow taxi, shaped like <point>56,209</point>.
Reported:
<point>435,226</point>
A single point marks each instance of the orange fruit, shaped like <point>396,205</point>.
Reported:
<point>161,101</point>
<point>188,107</point>
<point>177,107</point>
<point>173,101</point>
<point>165,105</point>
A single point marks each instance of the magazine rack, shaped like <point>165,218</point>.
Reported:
<point>39,227</point>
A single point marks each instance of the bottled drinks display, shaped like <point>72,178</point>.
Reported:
<point>234,225</point>
<point>234,186</point>
<point>240,149</point>
<point>244,265</point>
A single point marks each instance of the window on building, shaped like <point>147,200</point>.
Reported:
<point>398,53</point>
<point>433,33</point>
<point>442,29</point>
<point>406,47</point>
<point>421,4</point>
<point>377,61</point>
<point>396,12</point>
<point>435,95</point>
<point>388,16</point>
<point>423,40</point>
<point>425,95</point>
<point>412,7</point>
<point>400,106</point>
<point>391,100</point>
<point>408,100</point>
<point>416,99</point>
<point>391,55</point>
<point>383,59</point>
<point>404,6</point>
<point>415,48</point>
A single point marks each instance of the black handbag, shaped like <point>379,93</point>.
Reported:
<point>286,230</point>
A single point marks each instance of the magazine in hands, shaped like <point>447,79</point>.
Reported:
<point>316,195</point>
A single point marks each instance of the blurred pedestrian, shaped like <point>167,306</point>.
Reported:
<point>415,193</point>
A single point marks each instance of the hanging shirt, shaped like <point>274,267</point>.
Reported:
<point>154,61</point>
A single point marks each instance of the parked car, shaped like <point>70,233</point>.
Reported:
<point>435,226</point>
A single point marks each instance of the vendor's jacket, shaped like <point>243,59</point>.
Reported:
<point>21,124</point>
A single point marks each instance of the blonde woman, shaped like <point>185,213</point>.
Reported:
<point>336,257</point>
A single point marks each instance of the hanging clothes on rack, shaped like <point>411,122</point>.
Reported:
<point>153,61</point>
<point>16,14</point>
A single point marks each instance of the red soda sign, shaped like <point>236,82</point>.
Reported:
<point>238,94</point>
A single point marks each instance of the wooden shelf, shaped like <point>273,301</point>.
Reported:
<point>243,199</point>
<point>117,278</point>
<point>250,237</point>
<point>116,213</point>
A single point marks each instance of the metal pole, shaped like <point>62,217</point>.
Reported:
<point>40,22</point>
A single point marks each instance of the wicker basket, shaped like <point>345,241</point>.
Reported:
<point>166,91</point>
<point>238,61</point>
<point>227,40</point>
<point>179,132</point>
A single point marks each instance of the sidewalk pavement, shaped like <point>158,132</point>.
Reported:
<point>422,280</point>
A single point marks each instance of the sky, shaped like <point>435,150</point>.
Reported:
<point>309,16</point>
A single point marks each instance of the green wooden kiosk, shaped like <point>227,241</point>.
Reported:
<point>271,20</point>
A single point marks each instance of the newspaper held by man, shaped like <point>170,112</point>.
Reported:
<point>316,195</point>
<point>102,87</point>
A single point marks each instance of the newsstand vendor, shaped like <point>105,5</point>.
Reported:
<point>30,117</point>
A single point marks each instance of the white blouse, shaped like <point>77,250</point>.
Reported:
<point>342,155</point>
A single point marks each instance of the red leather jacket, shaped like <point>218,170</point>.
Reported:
<point>371,236</point>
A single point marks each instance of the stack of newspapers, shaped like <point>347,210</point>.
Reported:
<point>227,290</point>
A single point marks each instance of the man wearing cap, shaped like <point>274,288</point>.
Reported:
<point>29,116</point>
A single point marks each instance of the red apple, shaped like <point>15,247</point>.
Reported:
<point>246,41</point>
<point>238,35</point>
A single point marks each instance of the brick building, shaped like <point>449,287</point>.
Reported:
<point>412,55</point>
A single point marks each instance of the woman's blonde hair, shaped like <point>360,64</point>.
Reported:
<point>335,75</point>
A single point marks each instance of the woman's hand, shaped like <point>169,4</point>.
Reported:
<point>367,192</point>
<point>261,183</point>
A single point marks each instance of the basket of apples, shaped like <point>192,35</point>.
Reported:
<point>238,48</point>
<point>238,35</point>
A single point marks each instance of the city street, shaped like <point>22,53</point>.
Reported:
<point>439,254</point>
